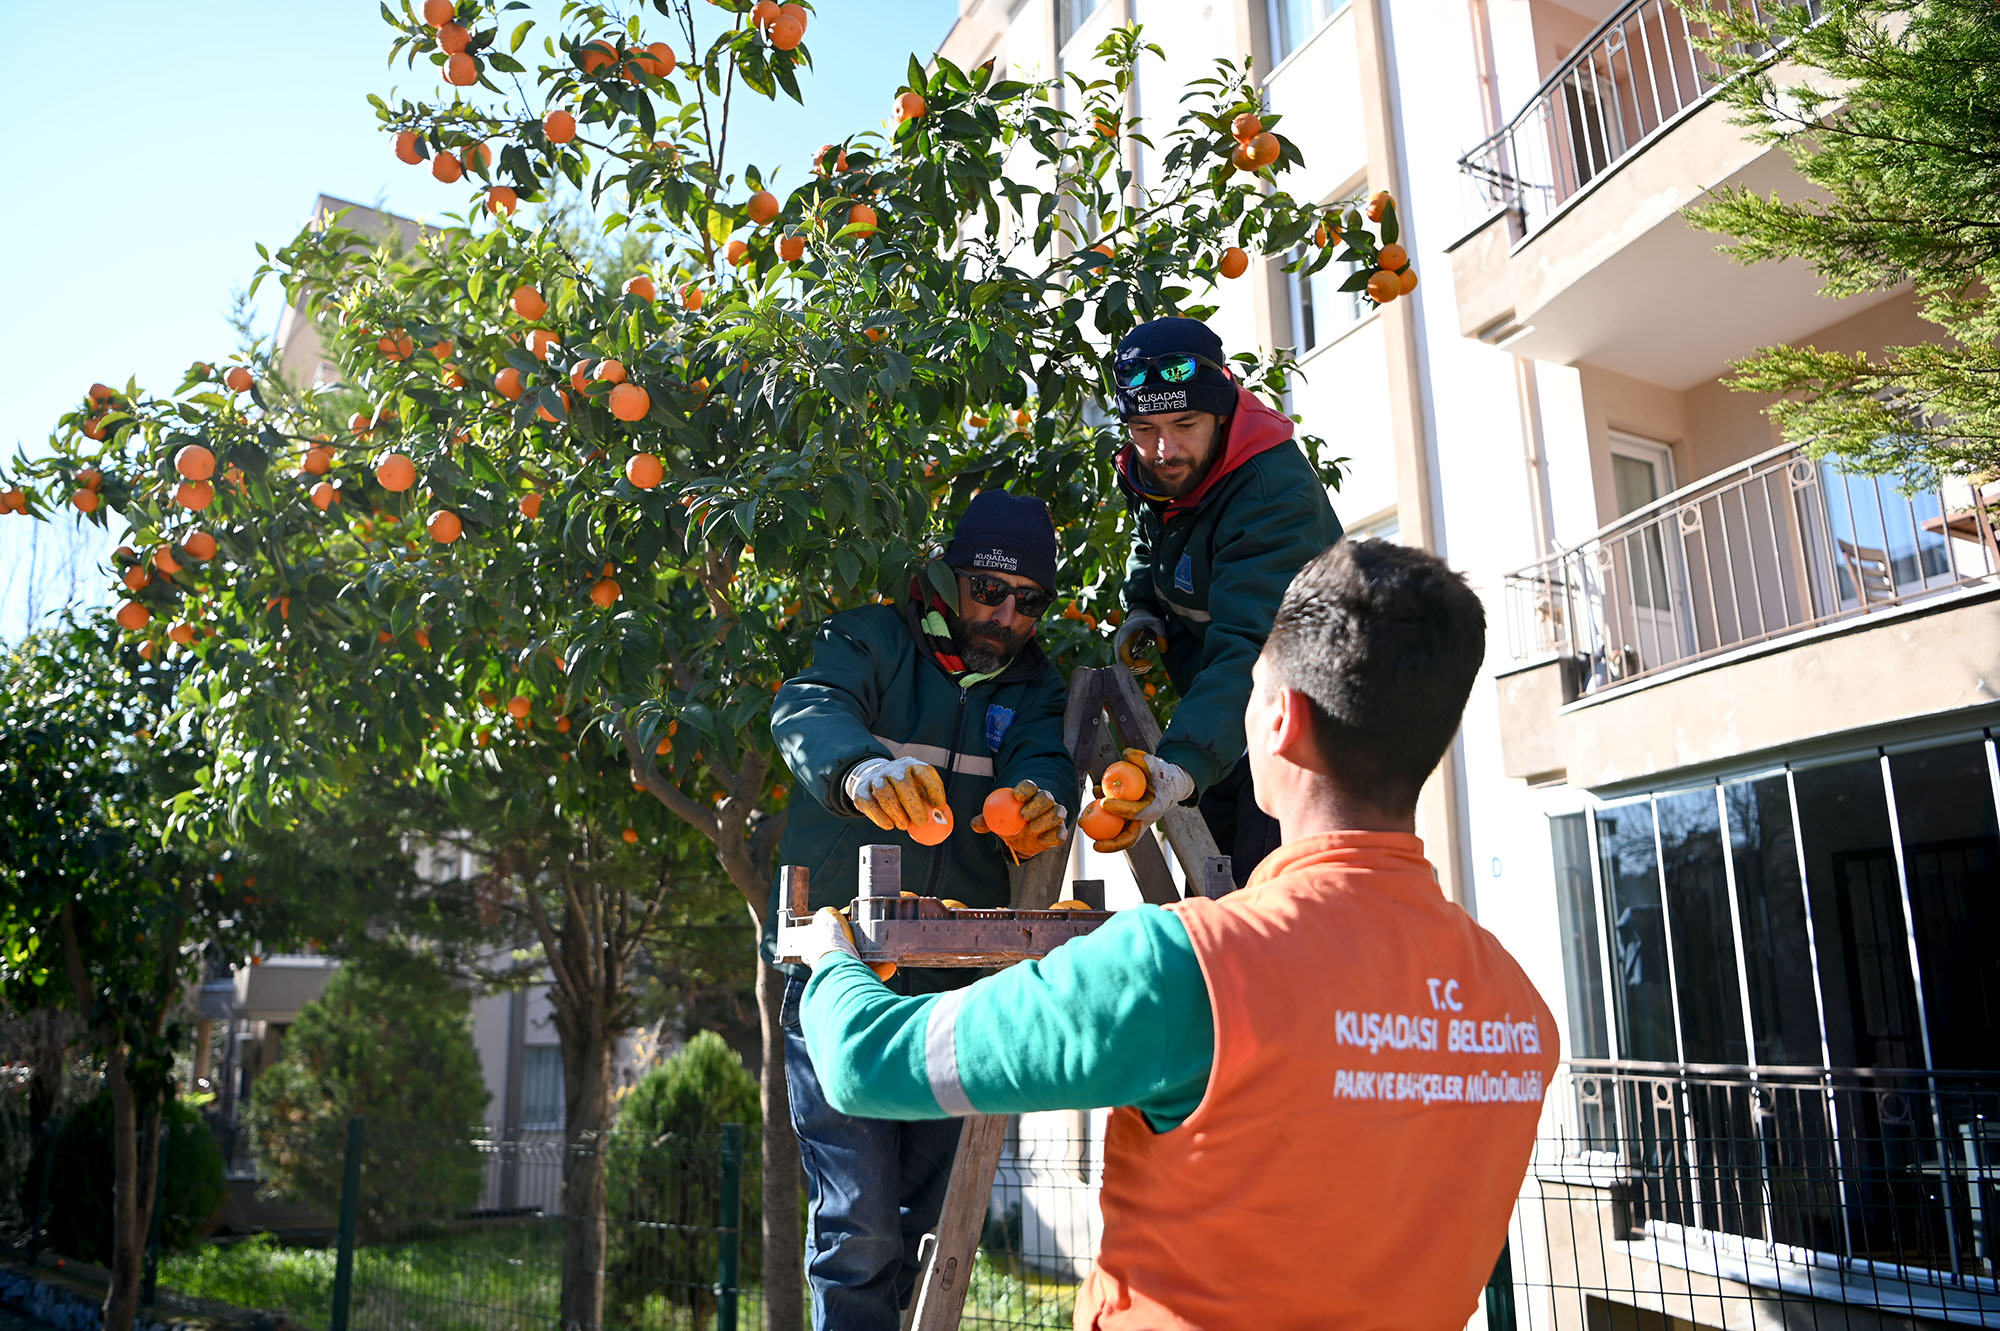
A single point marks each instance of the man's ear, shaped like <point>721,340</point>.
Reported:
<point>1292,734</point>
<point>942,579</point>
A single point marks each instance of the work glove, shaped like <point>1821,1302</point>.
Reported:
<point>1137,636</point>
<point>1045,823</point>
<point>1166,786</point>
<point>829,934</point>
<point>895,794</point>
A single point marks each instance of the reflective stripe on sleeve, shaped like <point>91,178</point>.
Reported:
<point>972,764</point>
<point>941,1055</point>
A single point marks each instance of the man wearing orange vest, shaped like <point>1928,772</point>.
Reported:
<point>1328,1082</point>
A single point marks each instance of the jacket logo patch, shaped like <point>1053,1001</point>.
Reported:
<point>1184,574</point>
<point>998,718</point>
<point>1177,400</point>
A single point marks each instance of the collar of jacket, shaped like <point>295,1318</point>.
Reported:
<point>1027,663</point>
<point>1254,428</point>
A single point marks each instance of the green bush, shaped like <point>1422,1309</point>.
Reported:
<point>396,1048</point>
<point>663,1183</point>
<point>81,1181</point>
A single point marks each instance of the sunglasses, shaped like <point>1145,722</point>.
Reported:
<point>990,591</point>
<point>1176,367</point>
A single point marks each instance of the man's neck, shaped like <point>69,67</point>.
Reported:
<point>1320,808</point>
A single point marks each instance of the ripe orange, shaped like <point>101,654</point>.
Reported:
<point>507,384</point>
<point>1098,825</point>
<point>502,199</point>
<point>786,34</point>
<point>644,470</point>
<point>199,545</point>
<point>132,616</point>
<point>324,496</point>
<point>397,346</point>
<point>580,375</point>
<point>611,371</point>
<point>664,747</point>
<point>531,505</point>
<point>933,831</point>
<point>1124,781</point>
<point>1393,257</point>
<point>406,147</point>
<point>519,706</point>
<point>461,70</point>
<point>819,160</point>
<point>1104,129</point>
<point>631,836</point>
<point>604,592</point>
<point>453,37</point>
<point>445,167</point>
<point>1378,205</point>
<point>238,379</point>
<point>910,106</point>
<point>195,495</point>
<point>550,416</point>
<point>792,248</point>
<point>195,462</point>
<point>1384,286</point>
<point>1234,262</point>
<point>1239,157</point>
<point>862,218</point>
<point>163,560</point>
<point>764,13</point>
<point>763,206</point>
<point>317,462</point>
<point>541,342</point>
<point>528,302</point>
<point>1002,812</point>
<point>559,126</point>
<point>629,402</point>
<point>1246,127</point>
<point>641,286</point>
<point>1407,281</point>
<point>137,579</point>
<point>101,394</point>
<point>182,634</point>
<point>738,253</point>
<point>692,297</point>
<point>1264,148</point>
<point>437,13</point>
<point>596,54</point>
<point>445,526</point>
<point>659,60</point>
<point>396,472</point>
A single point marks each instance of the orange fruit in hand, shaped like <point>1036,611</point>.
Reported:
<point>643,470</point>
<point>1124,781</point>
<point>1234,262</point>
<point>195,462</point>
<point>763,206</point>
<point>1246,127</point>
<point>396,472</point>
<point>559,126</point>
<point>933,830</point>
<point>1002,812</point>
<point>629,402</point>
<point>1098,825</point>
<point>528,302</point>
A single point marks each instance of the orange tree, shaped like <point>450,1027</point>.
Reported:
<point>577,532</point>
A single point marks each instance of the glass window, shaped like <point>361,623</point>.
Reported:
<point>1857,911</point>
<point>1320,309</point>
<point>541,1088</point>
<point>1071,15</point>
<point>1292,21</point>
<point>1576,909</point>
<point>1777,956</point>
<point>1643,991</point>
<point>1951,857</point>
<point>1711,1002</point>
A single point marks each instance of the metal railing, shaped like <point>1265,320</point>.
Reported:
<point>1771,546</point>
<point>1719,1187</point>
<point>1633,78</point>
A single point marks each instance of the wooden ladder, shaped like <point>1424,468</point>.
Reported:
<point>1099,701</point>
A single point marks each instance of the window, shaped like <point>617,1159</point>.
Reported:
<point>1576,910</point>
<point>1320,309</point>
<point>541,1088</point>
<point>1072,15</point>
<point>1293,21</point>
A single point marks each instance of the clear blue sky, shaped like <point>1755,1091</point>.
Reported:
<point>141,178</point>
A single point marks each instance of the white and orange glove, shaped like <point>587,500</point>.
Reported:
<point>1138,635</point>
<point>895,794</point>
<point>830,934</point>
<point>1166,785</point>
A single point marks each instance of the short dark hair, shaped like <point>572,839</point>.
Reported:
<point>1384,641</point>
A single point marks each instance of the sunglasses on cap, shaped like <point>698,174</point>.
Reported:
<point>991,591</point>
<point>1176,367</point>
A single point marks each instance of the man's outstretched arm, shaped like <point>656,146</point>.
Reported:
<point>1120,1017</point>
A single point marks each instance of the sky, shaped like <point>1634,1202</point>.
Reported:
<point>140,181</point>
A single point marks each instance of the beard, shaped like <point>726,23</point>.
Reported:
<point>1178,478</point>
<point>986,648</point>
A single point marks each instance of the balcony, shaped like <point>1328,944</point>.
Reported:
<point>1777,555</point>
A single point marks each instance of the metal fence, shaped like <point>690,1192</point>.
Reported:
<point>1773,545</point>
<point>1757,1196</point>
<point>1632,78</point>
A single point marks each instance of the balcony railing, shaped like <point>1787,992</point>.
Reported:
<point>1882,1173</point>
<point>1632,79</point>
<point>1774,545</point>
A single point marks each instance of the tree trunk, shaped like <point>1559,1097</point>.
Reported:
<point>784,1241</point>
<point>128,1216</point>
<point>587,1117</point>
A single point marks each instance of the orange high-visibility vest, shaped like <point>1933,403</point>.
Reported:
<point>1379,1067</point>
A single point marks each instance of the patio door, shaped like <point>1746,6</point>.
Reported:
<point>1643,579</point>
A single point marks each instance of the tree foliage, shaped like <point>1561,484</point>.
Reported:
<point>1890,109</point>
<point>80,1216</point>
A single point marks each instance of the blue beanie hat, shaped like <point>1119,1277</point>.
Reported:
<point>1210,390</point>
<point>1004,533</point>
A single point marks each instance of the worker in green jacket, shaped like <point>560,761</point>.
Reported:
<point>906,710</point>
<point>1226,509</point>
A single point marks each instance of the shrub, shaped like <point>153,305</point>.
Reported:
<point>664,1171</point>
<point>80,1214</point>
<point>394,1046</point>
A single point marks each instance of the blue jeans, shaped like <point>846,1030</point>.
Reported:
<point>874,1188</point>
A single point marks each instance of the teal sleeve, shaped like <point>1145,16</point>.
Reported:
<point>1120,1017</point>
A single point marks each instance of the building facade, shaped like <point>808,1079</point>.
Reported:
<point>1728,785</point>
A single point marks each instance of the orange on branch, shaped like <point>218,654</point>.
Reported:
<point>461,70</point>
<point>611,371</point>
<point>792,248</point>
<point>1264,149</point>
<point>199,544</point>
<point>437,13</point>
<point>1393,257</point>
<point>604,592</point>
<point>1234,262</point>
<point>910,106</point>
<point>641,286</point>
<point>737,254</point>
<point>195,495</point>
<point>787,33</point>
<point>445,167</point>
<point>163,560</point>
<point>406,147</point>
<point>502,200</point>
<point>541,342</point>
<point>528,302</point>
<point>1384,286</point>
<point>508,384</point>
<point>545,414</point>
<point>137,579</point>
<point>629,402</point>
<point>396,472</point>
<point>531,505</point>
<point>132,616</point>
<point>1246,127</point>
<point>862,218</point>
<point>445,526</point>
<point>559,126</point>
<point>195,462</point>
<point>763,206</point>
<point>325,495</point>
<point>644,470</point>
<point>453,37</point>
<point>238,379</point>
<point>1407,281</point>
<point>1378,205</point>
<point>596,54</point>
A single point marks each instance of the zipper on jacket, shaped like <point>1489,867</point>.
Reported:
<point>950,770</point>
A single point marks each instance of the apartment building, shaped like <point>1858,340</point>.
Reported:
<point>1729,785</point>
